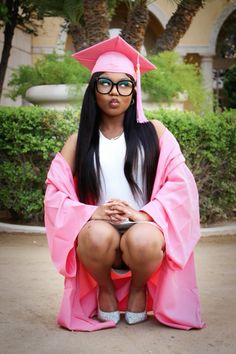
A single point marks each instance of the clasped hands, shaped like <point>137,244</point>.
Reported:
<point>117,211</point>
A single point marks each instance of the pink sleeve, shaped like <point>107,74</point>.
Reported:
<point>64,216</point>
<point>174,207</point>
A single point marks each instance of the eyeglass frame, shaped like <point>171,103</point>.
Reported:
<point>114,84</point>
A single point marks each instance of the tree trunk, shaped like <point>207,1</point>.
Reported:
<point>178,24</point>
<point>10,26</point>
<point>96,21</point>
<point>78,35</point>
<point>134,29</point>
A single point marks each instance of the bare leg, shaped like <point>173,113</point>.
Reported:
<point>142,246</point>
<point>98,243</point>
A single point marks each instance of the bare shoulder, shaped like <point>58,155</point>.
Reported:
<point>69,149</point>
<point>160,128</point>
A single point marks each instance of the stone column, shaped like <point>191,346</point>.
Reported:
<point>61,39</point>
<point>207,73</point>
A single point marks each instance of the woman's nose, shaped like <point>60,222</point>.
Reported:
<point>114,91</point>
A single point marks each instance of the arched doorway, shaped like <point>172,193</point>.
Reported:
<point>225,56</point>
<point>153,31</point>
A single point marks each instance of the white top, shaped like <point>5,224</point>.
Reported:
<point>113,181</point>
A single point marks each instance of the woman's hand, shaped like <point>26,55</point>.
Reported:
<point>117,208</point>
<point>109,213</point>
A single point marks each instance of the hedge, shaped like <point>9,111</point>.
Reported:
<point>209,146</point>
<point>30,137</point>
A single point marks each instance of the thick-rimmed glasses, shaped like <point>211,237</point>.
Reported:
<point>124,87</point>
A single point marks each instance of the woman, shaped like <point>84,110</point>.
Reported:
<point>121,207</point>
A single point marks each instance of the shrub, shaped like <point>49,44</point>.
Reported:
<point>51,69</point>
<point>173,77</point>
<point>209,146</point>
<point>30,136</point>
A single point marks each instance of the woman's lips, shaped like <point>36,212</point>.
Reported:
<point>114,103</point>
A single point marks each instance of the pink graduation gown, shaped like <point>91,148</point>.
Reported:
<point>172,290</point>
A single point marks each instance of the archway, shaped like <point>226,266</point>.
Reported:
<point>225,55</point>
<point>153,31</point>
<point>154,28</point>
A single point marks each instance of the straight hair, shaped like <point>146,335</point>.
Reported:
<point>138,136</point>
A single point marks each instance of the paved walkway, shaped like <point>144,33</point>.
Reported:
<point>217,230</point>
<point>31,290</point>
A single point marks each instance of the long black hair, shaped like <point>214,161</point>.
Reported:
<point>138,137</point>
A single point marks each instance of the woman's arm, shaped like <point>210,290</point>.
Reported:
<point>69,150</point>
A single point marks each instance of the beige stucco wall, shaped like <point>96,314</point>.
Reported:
<point>202,24</point>
<point>20,55</point>
<point>167,7</point>
<point>202,33</point>
<point>47,39</point>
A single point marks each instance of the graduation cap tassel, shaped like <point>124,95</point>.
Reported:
<point>140,113</point>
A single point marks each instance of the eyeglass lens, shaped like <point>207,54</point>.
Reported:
<point>105,86</point>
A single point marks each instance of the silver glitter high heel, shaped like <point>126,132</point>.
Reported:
<point>135,317</point>
<point>104,316</point>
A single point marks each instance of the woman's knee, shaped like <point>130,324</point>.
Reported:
<point>97,238</point>
<point>143,244</point>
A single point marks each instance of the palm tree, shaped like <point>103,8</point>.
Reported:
<point>135,27</point>
<point>178,24</point>
<point>96,20</point>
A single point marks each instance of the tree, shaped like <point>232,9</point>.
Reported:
<point>178,24</point>
<point>134,29</point>
<point>96,20</point>
<point>15,13</point>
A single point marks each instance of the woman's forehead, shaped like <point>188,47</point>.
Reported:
<point>115,76</point>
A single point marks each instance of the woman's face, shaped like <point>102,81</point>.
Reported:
<point>113,104</point>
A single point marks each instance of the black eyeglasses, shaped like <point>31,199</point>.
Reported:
<point>124,87</point>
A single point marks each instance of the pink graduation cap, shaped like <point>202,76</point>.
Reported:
<point>116,55</point>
